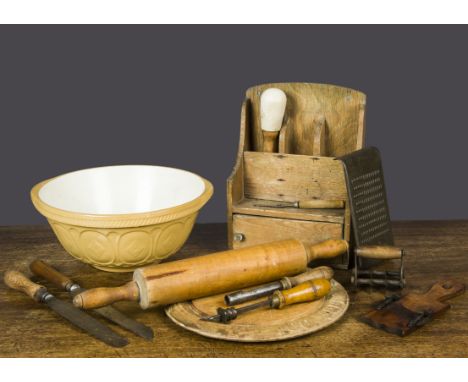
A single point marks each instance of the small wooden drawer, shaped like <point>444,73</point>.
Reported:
<point>252,230</point>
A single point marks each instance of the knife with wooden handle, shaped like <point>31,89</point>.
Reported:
<point>242,296</point>
<point>19,281</point>
<point>307,204</point>
<point>40,268</point>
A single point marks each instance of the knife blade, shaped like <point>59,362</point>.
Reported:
<point>40,268</point>
<point>18,281</point>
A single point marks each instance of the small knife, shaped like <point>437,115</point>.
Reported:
<point>19,281</point>
<point>307,204</point>
<point>40,268</point>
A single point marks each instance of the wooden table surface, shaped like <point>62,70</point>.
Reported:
<point>436,251</point>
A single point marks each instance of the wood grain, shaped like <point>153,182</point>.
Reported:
<point>321,121</point>
<point>254,229</point>
<point>219,272</point>
<point>252,207</point>
<point>342,109</point>
<point>434,251</point>
<point>286,177</point>
<point>307,291</point>
<point>262,325</point>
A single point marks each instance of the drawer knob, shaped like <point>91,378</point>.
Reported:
<point>239,237</point>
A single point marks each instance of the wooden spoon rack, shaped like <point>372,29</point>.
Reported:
<point>321,122</point>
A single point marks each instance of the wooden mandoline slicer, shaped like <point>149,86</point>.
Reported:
<point>371,226</point>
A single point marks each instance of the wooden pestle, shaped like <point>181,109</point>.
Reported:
<point>272,107</point>
<point>182,280</point>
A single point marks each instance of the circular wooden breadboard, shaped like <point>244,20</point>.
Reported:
<point>265,324</point>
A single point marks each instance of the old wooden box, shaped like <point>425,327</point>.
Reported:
<point>321,123</point>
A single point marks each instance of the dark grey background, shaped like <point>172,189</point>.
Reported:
<point>73,97</point>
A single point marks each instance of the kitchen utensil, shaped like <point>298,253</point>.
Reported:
<point>304,292</point>
<point>272,107</point>
<point>370,216</point>
<point>40,268</point>
<point>38,293</point>
<point>118,218</point>
<point>262,325</point>
<point>403,315</point>
<point>282,284</point>
<point>187,279</point>
<point>304,204</point>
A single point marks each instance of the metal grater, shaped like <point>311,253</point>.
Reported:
<point>367,197</point>
<point>370,216</point>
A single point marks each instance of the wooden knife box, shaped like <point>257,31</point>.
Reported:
<point>321,122</point>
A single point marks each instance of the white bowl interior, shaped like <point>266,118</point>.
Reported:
<point>121,189</point>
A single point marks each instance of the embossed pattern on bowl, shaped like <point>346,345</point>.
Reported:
<point>122,242</point>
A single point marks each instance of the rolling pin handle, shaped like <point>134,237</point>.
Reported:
<point>310,274</point>
<point>99,297</point>
<point>327,249</point>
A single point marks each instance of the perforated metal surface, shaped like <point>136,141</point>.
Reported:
<point>367,196</point>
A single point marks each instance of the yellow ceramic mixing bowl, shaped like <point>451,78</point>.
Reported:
<point>119,218</point>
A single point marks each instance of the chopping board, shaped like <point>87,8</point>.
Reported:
<point>262,325</point>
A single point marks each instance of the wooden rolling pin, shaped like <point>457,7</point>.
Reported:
<point>187,279</point>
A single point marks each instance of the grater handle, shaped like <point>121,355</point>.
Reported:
<point>381,252</point>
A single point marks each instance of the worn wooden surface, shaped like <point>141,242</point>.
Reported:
<point>286,177</point>
<point>340,109</point>
<point>264,325</point>
<point>259,207</point>
<point>436,251</point>
<point>257,230</point>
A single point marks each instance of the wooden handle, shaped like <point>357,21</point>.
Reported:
<point>382,252</point>
<point>98,297</point>
<point>40,268</point>
<point>270,141</point>
<point>315,203</point>
<point>327,249</point>
<point>445,289</point>
<point>305,292</point>
<point>311,274</point>
<point>19,281</point>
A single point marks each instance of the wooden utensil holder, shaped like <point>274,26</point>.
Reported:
<point>321,122</point>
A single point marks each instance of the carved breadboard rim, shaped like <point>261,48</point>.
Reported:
<point>332,308</point>
<point>120,220</point>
